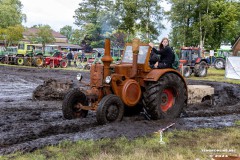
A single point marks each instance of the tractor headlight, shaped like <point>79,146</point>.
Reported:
<point>108,79</point>
<point>79,76</point>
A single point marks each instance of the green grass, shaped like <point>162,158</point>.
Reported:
<point>216,75</point>
<point>179,145</point>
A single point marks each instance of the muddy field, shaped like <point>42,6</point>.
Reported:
<point>27,124</point>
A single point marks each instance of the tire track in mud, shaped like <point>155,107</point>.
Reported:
<point>26,125</point>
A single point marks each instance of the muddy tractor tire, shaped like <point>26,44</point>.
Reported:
<point>165,98</point>
<point>200,70</point>
<point>219,63</point>
<point>27,61</point>
<point>87,67</point>
<point>39,61</point>
<point>71,102</point>
<point>63,64</point>
<point>20,61</point>
<point>110,109</point>
<point>187,71</point>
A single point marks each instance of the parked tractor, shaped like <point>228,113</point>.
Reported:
<point>8,55</point>
<point>115,88</point>
<point>57,60</point>
<point>33,54</point>
<point>29,55</point>
<point>220,58</point>
<point>191,61</point>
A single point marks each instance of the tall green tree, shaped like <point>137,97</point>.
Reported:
<point>149,19</point>
<point>67,31</point>
<point>127,12</point>
<point>11,17</point>
<point>92,17</point>
<point>14,34</point>
<point>205,23</point>
<point>118,39</point>
<point>141,18</point>
<point>226,16</point>
<point>77,37</point>
<point>44,35</point>
<point>11,13</point>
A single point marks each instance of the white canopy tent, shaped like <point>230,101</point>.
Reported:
<point>232,69</point>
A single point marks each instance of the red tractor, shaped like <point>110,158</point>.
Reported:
<point>191,61</point>
<point>115,89</point>
<point>57,60</point>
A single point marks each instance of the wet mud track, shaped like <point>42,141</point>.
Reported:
<point>27,124</point>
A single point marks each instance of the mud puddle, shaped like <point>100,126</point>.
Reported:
<point>27,124</point>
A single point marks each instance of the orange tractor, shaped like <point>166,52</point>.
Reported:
<point>115,88</point>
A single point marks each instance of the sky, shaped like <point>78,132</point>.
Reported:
<point>56,13</point>
<point>59,13</point>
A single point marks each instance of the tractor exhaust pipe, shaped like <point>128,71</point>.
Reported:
<point>135,50</point>
<point>106,59</point>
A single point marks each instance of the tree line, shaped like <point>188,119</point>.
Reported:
<point>206,23</point>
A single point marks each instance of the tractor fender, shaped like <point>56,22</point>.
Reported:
<point>155,74</point>
<point>198,61</point>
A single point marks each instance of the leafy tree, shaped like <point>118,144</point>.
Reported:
<point>226,16</point>
<point>150,15</point>
<point>43,36</point>
<point>14,34</point>
<point>92,35</point>
<point>10,13</point>
<point>67,31</point>
<point>77,37</point>
<point>127,11</point>
<point>11,35</point>
<point>140,17</point>
<point>204,22</point>
<point>95,20</point>
<point>117,39</point>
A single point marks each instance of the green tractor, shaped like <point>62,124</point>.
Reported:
<point>2,54</point>
<point>32,54</point>
<point>29,54</point>
<point>7,55</point>
<point>220,58</point>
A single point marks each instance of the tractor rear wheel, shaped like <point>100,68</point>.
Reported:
<point>71,104</point>
<point>219,63</point>
<point>87,67</point>
<point>200,70</point>
<point>187,71</point>
<point>166,97</point>
<point>27,61</point>
<point>110,109</point>
<point>39,61</point>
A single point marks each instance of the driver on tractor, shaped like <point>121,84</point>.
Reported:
<point>166,55</point>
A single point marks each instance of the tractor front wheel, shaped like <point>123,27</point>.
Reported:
<point>87,67</point>
<point>63,64</point>
<point>20,61</point>
<point>72,102</point>
<point>110,109</point>
<point>187,71</point>
<point>219,63</point>
<point>28,61</point>
<point>166,97</point>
